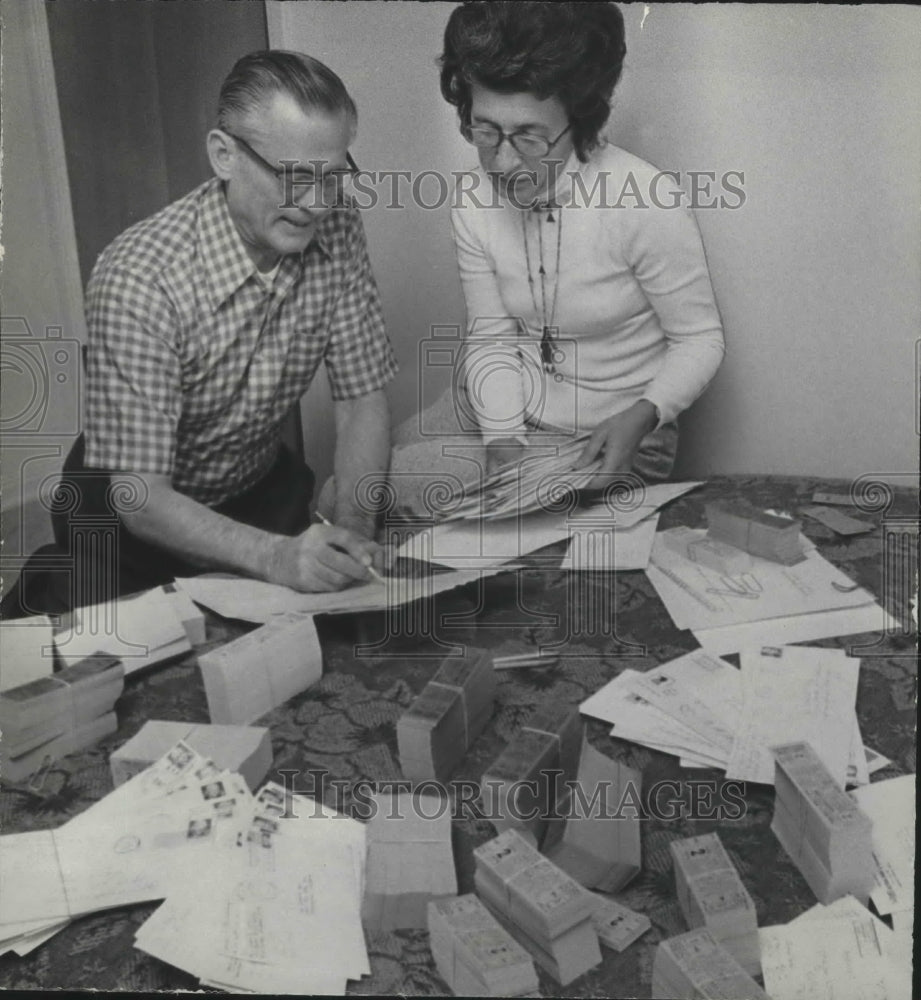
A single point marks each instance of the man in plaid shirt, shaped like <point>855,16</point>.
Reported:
<point>208,321</point>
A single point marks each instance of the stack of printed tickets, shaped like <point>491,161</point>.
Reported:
<point>709,714</point>
<point>695,965</point>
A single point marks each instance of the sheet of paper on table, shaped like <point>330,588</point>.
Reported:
<point>473,543</point>
<point>847,954</point>
<point>891,806</point>
<point>787,630</point>
<point>700,598</point>
<point>605,550</point>
<point>257,601</point>
<point>794,693</point>
<point>26,651</point>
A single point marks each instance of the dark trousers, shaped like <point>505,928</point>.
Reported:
<point>95,557</point>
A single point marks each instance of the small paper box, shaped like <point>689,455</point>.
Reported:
<point>695,965</point>
<point>618,926</point>
<point>518,790</point>
<point>433,735</point>
<point>755,531</point>
<point>410,861</point>
<point>245,750</point>
<point>263,669</point>
<point>599,847</point>
<point>40,710</point>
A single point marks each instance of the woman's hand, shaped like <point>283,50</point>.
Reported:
<point>617,439</point>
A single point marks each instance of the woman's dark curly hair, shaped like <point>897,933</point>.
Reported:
<point>571,51</point>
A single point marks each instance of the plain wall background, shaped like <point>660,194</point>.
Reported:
<point>818,275</point>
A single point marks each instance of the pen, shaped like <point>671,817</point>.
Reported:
<point>371,570</point>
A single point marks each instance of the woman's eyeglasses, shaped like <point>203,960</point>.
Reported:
<point>526,143</point>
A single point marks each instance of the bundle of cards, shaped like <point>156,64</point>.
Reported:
<point>821,827</point>
<point>541,482</point>
<point>520,788</point>
<point>618,926</point>
<point>410,860</point>
<point>136,844</point>
<point>539,904</point>
<point>273,905</point>
<point>711,894</point>
<point>694,966</point>
<point>63,709</point>
<point>754,531</point>
<point>435,732</point>
<point>474,954</point>
<point>245,750</point>
<point>261,670</point>
<point>595,834</point>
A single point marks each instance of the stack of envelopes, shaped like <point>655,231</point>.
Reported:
<point>59,714</point>
<point>519,790</point>
<point>410,860</point>
<point>542,482</point>
<point>755,531</point>
<point>435,732</point>
<point>273,905</point>
<point>711,895</point>
<point>261,670</point>
<point>134,845</point>
<point>474,954</point>
<point>820,826</point>
<point>694,966</point>
<point>539,904</point>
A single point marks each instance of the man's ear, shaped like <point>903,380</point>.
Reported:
<point>221,153</point>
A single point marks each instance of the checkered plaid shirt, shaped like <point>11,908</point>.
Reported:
<point>192,364</point>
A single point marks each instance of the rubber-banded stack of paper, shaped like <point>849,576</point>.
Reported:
<point>693,966</point>
<point>435,732</point>
<point>711,895</point>
<point>755,531</point>
<point>516,790</point>
<point>539,905</point>
<point>59,714</point>
<point>820,826</point>
<point>474,954</point>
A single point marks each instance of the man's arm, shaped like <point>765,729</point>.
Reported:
<point>362,447</point>
<point>322,558</point>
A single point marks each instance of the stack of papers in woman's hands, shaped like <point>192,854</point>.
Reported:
<point>701,709</point>
<point>540,482</point>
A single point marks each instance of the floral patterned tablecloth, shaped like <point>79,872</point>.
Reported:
<point>346,724</point>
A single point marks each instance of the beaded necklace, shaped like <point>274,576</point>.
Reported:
<point>546,339</point>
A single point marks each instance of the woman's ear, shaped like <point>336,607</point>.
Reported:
<point>221,153</point>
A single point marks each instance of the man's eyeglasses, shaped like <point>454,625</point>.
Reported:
<point>331,185</point>
<point>526,143</point>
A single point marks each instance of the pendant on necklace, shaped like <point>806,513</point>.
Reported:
<point>546,351</point>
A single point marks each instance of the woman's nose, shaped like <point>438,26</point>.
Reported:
<point>505,157</point>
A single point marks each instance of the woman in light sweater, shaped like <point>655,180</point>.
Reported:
<point>589,303</point>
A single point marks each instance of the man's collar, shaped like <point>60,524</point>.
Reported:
<point>225,261</point>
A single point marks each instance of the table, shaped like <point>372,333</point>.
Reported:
<point>347,725</point>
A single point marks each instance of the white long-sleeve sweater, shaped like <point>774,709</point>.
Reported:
<point>635,316</point>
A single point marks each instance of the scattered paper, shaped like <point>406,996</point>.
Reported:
<point>794,693</point>
<point>604,550</point>
<point>257,601</point>
<point>840,523</point>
